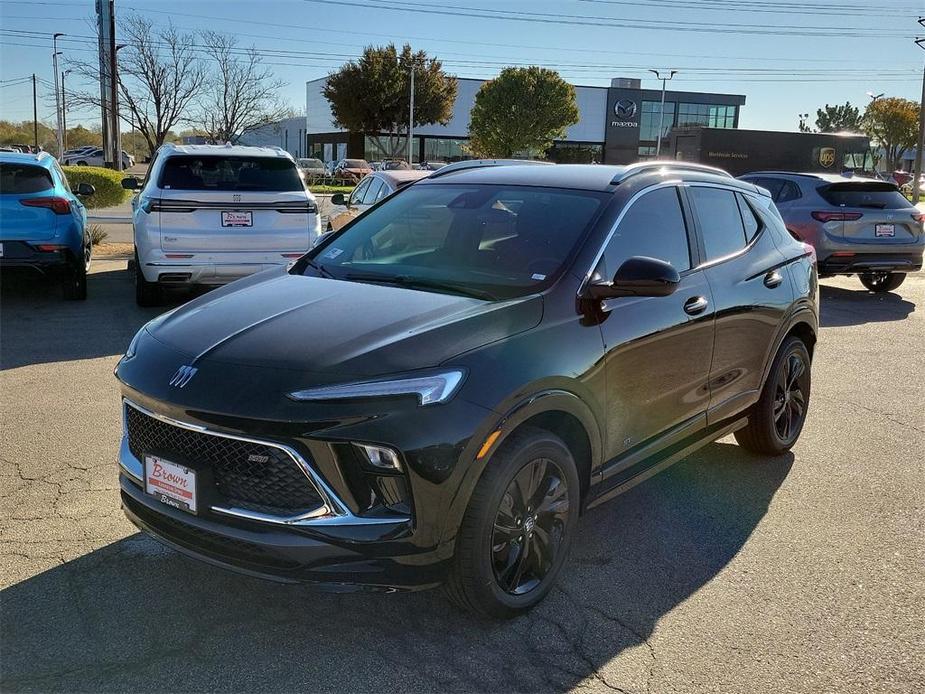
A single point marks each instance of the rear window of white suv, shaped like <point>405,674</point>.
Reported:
<point>215,172</point>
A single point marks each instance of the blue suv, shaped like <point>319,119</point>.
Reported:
<point>43,224</point>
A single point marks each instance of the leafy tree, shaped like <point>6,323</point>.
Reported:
<point>240,94</point>
<point>834,119</point>
<point>160,76</point>
<point>372,95</point>
<point>893,123</point>
<point>521,110</point>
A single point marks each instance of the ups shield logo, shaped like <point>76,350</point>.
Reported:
<point>826,156</point>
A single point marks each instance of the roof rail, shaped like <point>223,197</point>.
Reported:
<point>484,163</point>
<point>674,165</point>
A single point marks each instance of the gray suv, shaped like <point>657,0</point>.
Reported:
<point>857,225</point>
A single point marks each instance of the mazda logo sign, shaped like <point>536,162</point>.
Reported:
<point>624,109</point>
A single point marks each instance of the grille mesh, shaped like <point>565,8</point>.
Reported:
<point>248,475</point>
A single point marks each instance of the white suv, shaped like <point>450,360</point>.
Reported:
<point>210,214</point>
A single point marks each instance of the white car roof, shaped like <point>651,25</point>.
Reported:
<point>227,150</point>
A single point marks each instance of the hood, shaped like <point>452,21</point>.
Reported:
<point>343,329</point>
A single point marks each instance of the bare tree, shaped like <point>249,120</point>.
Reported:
<point>240,94</point>
<point>160,76</point>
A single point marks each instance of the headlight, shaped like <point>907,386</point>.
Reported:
<point>431,388</point>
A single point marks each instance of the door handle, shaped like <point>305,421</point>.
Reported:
<point>773,279</point>
<point>695,305</point>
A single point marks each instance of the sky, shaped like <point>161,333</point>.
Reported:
<point>787,56</point>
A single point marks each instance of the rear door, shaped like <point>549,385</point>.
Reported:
<point>215,203</point>
<point>873,212</point>
<point>751,293</point>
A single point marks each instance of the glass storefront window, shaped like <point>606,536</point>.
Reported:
<point>444,149</point>
<point>646,152</point>
<point>708,115</point>
<point>378,147</point>
<point>650,117</point>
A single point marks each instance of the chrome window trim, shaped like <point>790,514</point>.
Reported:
<point>332,511</point>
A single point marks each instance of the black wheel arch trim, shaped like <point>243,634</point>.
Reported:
<point>537,403</point>
<point>801,314</point>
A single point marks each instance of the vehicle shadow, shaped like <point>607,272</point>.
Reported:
<point>841,307</point>
<point>139,617</point>
<point>39,327</point>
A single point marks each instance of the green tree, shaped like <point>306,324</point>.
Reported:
<point>834,119</point>
<point>892,123</point>
<point>521,110</point>
<point>372,94</point>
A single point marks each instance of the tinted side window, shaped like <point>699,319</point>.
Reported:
<point>60,173</point>
<point>789,191</point>
<point>383,191</point>
<point>773,185</point>
<point>356,197</point>
<point>653,227</point>
<point>752,225</point>
<point>23,178</point>
<point>720,221</point>
<point>372,192</point>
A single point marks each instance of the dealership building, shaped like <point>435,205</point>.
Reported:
<point>618,124</point>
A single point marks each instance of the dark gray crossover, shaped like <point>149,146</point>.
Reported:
<point>437,391</point>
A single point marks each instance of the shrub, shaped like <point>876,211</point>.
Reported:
<point>108,184</point>
<point>97,234</point>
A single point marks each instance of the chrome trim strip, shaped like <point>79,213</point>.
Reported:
<point>180,264</point>
<point>332,512</point>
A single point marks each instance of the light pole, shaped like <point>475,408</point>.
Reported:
<point>917,181</point>
<point>411,118</point>
<point>661,109</point>
<point>54,60</point>
<point>64,110</point>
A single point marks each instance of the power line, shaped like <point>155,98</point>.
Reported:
<point>824,10</point>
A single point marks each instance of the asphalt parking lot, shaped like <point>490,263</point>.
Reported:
<point>728,572</point>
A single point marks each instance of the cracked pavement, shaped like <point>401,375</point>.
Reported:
<point>725,573</point>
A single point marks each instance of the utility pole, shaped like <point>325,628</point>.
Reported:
<point>35,116</point>
<point>109,84</point>
<point>661,110</point>
<point>54,60</point>
<point>917,180</point>
<point>411,118</point>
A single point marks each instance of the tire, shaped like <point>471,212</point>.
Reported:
<point>81,163</point>
<point>495,572</point>
<point>776,420</point>
<point>146,293</point>
<point>75,281</point>
<point>882,281</point>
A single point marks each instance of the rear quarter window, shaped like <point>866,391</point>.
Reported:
<point>23,178</point>
<point>875,195</point>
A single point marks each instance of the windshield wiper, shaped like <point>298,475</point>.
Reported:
<point>420,283</point>
<point>320,269</point>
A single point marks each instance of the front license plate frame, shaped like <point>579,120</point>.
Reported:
<point>171,483</point>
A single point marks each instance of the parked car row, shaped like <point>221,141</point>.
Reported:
<point>92,156</point>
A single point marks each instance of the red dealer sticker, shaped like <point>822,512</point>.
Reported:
<point>172,484</point>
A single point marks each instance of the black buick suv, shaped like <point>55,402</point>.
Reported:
<point>438,390</point>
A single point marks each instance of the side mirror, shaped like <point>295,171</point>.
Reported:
<point>130,183</point>
<point>639,276</point>
<point>338,199</point>
<point>85,189</point>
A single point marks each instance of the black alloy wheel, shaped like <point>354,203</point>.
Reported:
<point>529,526</point>
<point>776,420</point>
<point>789,400</point>
<point>517,529</point>
<point>882,281</point>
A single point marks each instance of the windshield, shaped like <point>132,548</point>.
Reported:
<point>356,164</point>
<point>230,173</point>
<point>489,241</point>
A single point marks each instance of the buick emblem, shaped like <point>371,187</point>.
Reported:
<point>183,376</point>
<point>236,197</point>
<point>624,109</point>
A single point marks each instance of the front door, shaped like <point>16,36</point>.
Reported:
<point>657,349</point>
